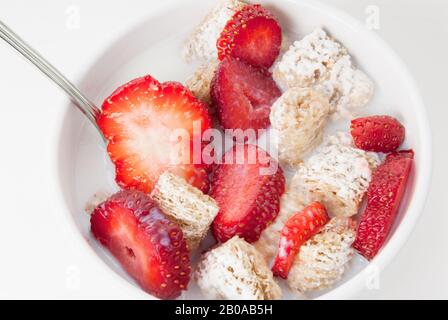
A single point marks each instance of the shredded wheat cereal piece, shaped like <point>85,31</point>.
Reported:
<point>324,258</point>
<point>308,60</point>
<point>236,270</point>
<point>337,175</point>
<point>186,205</point>
<point>299,116</point>
<point>348,88</point>
<point>345,139</point>
<point>319,61</point>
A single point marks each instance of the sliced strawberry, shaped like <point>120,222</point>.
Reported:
<point>150,247</point>
<point>141,121</point>
<point>247,188</point>
<point>383,202</point>
<point>377,133</point>
<point>243,95</point>
<point>253,35</point>
<point>296,231</point>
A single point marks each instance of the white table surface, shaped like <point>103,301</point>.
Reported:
<point>39,258</point>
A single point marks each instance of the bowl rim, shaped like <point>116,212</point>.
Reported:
<point>413,213</point>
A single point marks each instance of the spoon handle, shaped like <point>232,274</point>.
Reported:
<point>82,102</point>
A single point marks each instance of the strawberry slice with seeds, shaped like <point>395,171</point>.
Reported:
<point>243,95</point>
<point>297,230</point>
<point>150,129</point>
<point>148,245</point>
<point>247,186</point>
<point>383,202</point>
<point>253,35</point>
<point>377,133</point>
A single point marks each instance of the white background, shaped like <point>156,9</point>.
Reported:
<point>38,257</point>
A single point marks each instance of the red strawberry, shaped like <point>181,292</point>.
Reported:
<point>383,202</point>
<point>150,247</point>
<point>140,120</point>
<point>243,95</point>
<point>247,193</point>
<point>377,133</point>
<point>296,231</point>
<point>253,35</point>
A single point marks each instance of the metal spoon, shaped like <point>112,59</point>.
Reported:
<point>87,107</point>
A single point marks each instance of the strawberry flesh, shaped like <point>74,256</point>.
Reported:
<point>377,133</point>
<point>252,35</point>
<point>248,197</point>
<point>296,231</point>
<point>147,244</point>
<point>243,95</point>
<point>383,202</point>
<point>141,121</point>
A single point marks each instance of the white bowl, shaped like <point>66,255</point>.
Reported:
<point>153,47</point>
